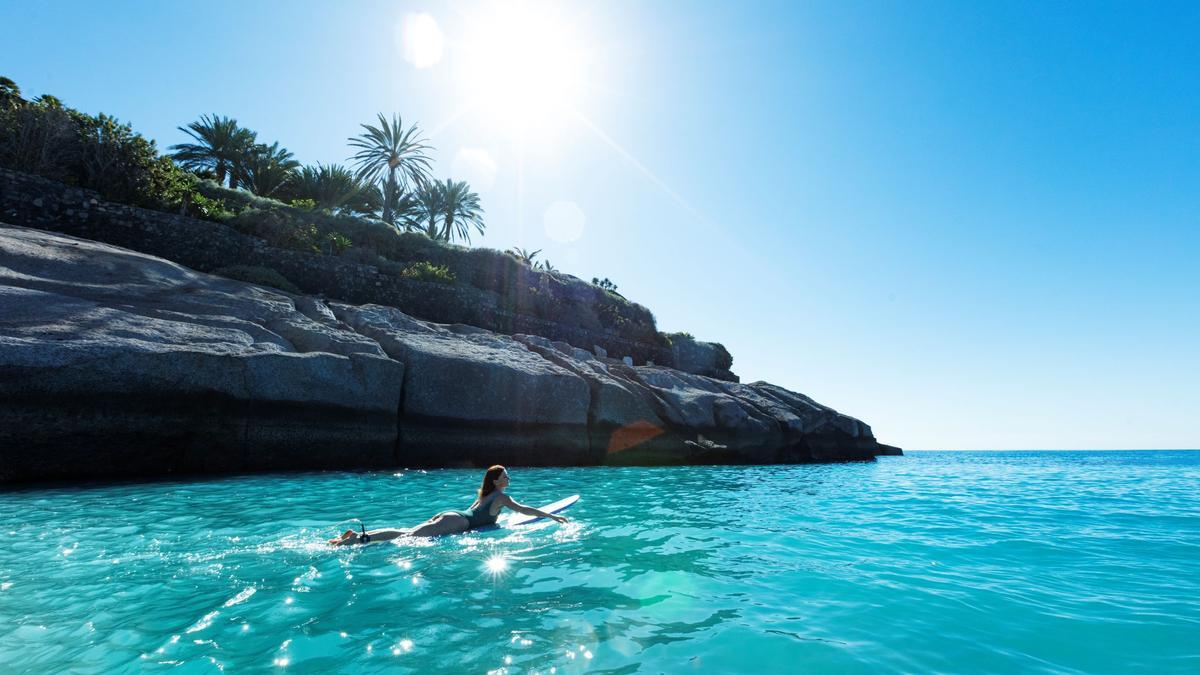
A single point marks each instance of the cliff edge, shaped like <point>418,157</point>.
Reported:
<point>118,364</point>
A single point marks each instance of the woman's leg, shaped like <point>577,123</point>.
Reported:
<point>350,537</point>
<point>443,523</point>
<point>386,534</point>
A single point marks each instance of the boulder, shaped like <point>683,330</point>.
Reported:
<point>113,363</point>
<point>119,364</point>
<point>478,398</point>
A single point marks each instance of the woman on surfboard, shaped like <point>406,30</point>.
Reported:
<point>481,514</point>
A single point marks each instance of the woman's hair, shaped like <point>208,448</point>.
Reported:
<point>489,480</point>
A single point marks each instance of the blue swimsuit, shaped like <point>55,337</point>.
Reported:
<point>481,515</point>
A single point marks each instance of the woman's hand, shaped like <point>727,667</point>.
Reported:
<point>560,519</point>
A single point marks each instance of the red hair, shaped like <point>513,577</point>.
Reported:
<point>489,480</point>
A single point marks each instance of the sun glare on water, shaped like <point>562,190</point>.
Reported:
<point>496,564</point>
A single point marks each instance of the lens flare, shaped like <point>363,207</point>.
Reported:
<point>496,564</point>
<point>421,40</point>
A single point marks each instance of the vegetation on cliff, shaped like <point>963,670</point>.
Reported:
<point>386,211</point>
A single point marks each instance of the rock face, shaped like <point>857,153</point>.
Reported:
<point>115,363</point>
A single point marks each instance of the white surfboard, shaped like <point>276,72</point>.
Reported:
<point>522,519</point>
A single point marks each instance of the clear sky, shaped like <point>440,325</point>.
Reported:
<point>971,225</point>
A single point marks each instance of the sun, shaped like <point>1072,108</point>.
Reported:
<point>524,66</point>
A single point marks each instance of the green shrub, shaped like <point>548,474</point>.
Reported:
<point>46,138</point>
<point>424,271</point>
<point>263,276</point>
<point>305,238</point>
<point>560,297</point>
<point>610,317</point>
<point>280,229</point>
<point>210,209</point>
<point>173,188</point>
<point>235,200</point>
<point>338,242</point>
<point>98,152</point>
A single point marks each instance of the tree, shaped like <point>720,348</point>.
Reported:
<point>10,94</point>
<point>547,267</point>
<point>221,145</point>
<point>332,187</point>
<point>460,210</point>
<point>525,256</point>
<point>605,284</point>
<point>448,209</point>
<point>391,153</point>
<point>50,101</point>
<point>42,138</point>
<point>406,213</point>
<point>97,152</point>
<point>429,209</point>
<point>266,169</point>
<point>114,159</point>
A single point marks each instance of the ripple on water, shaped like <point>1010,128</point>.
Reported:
<point>955,562</point>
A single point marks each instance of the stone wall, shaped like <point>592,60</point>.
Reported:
<point>37,202</point>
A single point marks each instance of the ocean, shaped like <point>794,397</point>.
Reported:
<point>957,562</point>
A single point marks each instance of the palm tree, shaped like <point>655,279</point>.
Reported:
<point>407,213</point>
<point>525,256</point>
<point>367,201</point>
<point>331,187</point>
<point>448,208</point>
<point>394,150</point>
<point>10,93</point>
<point>266,169</point>
<point>460,209</point>
<point>49,101</point>
<point>430,207</point>
<point>221,145</point>
<point>547,267</point>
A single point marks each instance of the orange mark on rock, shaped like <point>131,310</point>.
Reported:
<point>632,435</point>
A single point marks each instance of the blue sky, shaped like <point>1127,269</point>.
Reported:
<point>971,225</point>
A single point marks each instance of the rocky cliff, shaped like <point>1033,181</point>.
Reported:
<point>115,363</point>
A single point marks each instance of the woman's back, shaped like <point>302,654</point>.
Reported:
<point>480,513</point>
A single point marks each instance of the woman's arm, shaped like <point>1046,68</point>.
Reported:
<point>530,511</point>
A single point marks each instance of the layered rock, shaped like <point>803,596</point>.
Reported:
<point>115,363</point>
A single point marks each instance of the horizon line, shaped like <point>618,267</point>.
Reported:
<point>907,450</point>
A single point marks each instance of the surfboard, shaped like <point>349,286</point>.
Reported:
<point>555,507</point>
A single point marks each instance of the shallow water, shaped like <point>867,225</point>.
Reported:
<point>961,562</point>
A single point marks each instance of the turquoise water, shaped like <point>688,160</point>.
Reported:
<point>960,562</point>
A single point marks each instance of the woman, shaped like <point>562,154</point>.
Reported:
<point>481,514</point>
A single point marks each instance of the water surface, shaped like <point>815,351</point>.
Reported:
<point>957,562</point>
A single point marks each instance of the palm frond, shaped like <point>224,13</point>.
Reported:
<point>525,256</point>
<point>221,145</point>
<point>331,187</point>
<point>266,169</point>
<point>393,154</point>
<point>460,211</point>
